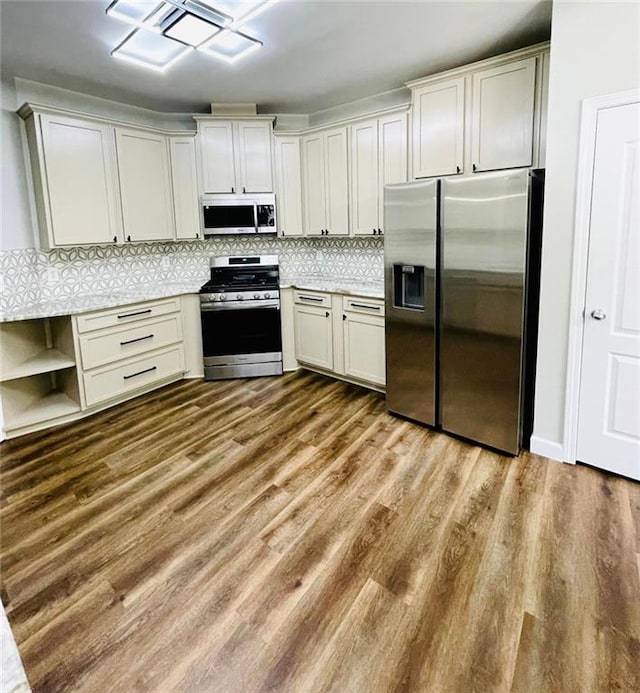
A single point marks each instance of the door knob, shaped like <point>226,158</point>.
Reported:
<point>598,314</point>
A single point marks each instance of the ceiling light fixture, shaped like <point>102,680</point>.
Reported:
<point>166,30</point>
<point>230,45</point>
<point>150,50</point>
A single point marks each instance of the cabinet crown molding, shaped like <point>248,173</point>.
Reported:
<point>468,68</point>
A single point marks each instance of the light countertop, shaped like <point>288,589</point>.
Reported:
<point>148,292</point>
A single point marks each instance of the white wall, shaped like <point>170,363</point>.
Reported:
<point>595,50</point>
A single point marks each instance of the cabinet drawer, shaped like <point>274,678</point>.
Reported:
<point>366,306</point>
<point>126,314</point>
<point>107,346</point>
<point>312,298</point>
<point>114,381</point>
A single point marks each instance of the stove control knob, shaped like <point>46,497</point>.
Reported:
<point>223,297</point>
<point>267,295</point>
<point>239,297</point>
<point>256,296</point>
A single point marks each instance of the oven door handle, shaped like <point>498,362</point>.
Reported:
<point>238,305</point>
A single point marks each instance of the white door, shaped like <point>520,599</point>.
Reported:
<point>289,180</point>
<point>364,178</point>
<point>438,129</point>
<point>314,336</point>
<point>314,191</point>
<point>337,182</point>
<point>81,181</point>
<point>609,414</point>
<point>503,100</point>
<point>185,187</point>
<point>145,185</point>
<point>254,157</point>
<point>216,151</point>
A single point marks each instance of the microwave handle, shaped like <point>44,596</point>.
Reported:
<point>255,215</point>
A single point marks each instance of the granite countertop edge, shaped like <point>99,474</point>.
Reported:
<point>149,292</point>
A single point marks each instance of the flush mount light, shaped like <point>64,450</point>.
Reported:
<point>191,30</point>
<point>150,50</point>
<point>230,45</point>
<point>168,29</point>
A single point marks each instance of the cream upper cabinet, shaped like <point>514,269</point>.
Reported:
<point>438,129</point>
<point>145,185</point>
<point>289,185</point>
<point>378,158</point>
<point>254,156</point>
<point>185,187</point>
<point>503,116</point>
<point>326,184</point>
<point>218,160</point>
<point>236,155</point>
<point>75,180</point>
<point>313,336</point>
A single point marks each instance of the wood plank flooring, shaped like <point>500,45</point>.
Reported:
<point>286,534</point>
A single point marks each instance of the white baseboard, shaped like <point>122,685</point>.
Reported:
<point>547,448</point>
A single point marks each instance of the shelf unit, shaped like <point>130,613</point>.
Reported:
<point>38,376</point>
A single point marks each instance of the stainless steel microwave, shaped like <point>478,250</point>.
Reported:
<point>242,213</point>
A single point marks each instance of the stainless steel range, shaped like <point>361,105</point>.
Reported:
<point>240,313</point>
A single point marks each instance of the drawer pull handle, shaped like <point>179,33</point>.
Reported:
<point>137,339</point>
<point>364,305</point>
<point>138,312</point>
<point>146,370</point>
<point>311,298</point>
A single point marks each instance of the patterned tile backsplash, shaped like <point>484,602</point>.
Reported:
<point>30,276</point>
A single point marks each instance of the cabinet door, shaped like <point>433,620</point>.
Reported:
<point>145,185</point>
<point>216,151</point>
<point>289,182</point>
<point>502,120</point>
<point>364,347</point>
<point>392,156</point>
<point>364,179</point>
<point>314,191</point>
<point>314,336</point>
<point>253,146</point>
<point>80,175</point>
<point>185,187</point>
<point>337,182</point>
<point>438,129</point>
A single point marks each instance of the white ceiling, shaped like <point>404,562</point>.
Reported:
<point>317,53</point>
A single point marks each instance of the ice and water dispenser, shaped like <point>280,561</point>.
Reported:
<point>408,286</point>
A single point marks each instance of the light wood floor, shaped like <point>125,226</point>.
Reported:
<point>286,534</point>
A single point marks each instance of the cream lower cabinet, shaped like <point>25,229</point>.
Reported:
<point>128,350</point>
<point>363,333</point>
<point>341,335</point>
<point>312,314</point>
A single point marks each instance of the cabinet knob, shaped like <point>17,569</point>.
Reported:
<point>244,189</point>
<point>197,235</point>
<point>344,317</point>
<point>233,189</point>
<point>474,168</point>
<point>129,239</point>
<point>115,239</point>
<point>379,232</point>
<point>457,169</point>
<point>326,314</point>
<point>375,231</point>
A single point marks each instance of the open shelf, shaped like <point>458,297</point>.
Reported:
<point>39,398</point>
<point>45,361</point>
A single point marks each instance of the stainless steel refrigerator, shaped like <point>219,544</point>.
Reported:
<point>461,287</point>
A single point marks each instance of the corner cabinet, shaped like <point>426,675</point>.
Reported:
<point>326,183</point>
<point>289,185</point>
<point>236,155</point>
<point>75,179</point>
<point>378,157</point>
<point>145,185</point>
